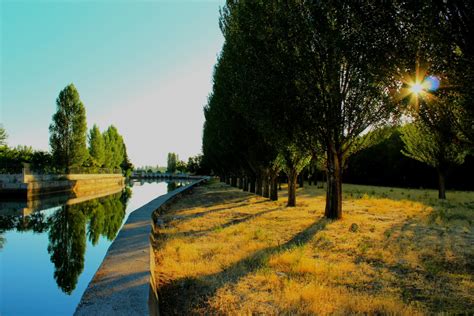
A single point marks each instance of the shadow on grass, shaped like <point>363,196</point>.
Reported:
<point>197,233</point>
<point>441,277</point>
<point>220,209</point>
<point>190,295</point>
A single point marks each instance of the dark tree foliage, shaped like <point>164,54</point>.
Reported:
<point>384,164</point>
<point>231,144</point>
<point>317,76</point>
<point>12,160</point>
<point>307,74</point>
<point>126,165</point>
<point>196,165</point>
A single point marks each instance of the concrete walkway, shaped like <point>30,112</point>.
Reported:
<point>121,285</point>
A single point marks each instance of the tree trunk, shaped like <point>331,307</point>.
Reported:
<point>227,179</point>
<point>292,180</point>
<point>441,184</point>
<point>252,185</point>
<point>258,189</point>
<point>241,184</point>
<point>246,184</point>
<point>274,189</point>
<point>334,186</point>
<point>233,182</point>
<point>266,187</point>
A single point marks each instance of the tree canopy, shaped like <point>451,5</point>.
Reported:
<point>68,130</point>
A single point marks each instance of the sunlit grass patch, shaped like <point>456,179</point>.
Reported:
<point>395,251</point>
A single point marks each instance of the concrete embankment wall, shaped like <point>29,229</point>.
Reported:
<point>124,283</point>
<point>30,186</point>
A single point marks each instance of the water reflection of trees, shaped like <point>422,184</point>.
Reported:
<point>67,234</point>
<point>67,245</point>
<point>69,228</point>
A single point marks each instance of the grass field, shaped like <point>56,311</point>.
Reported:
<point>396,251</point>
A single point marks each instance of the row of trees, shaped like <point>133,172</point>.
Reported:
<point>72,150</point>
<point>311,83</point>
<point>108,150</point>
<point>68,138</point>
<point>193,166</point>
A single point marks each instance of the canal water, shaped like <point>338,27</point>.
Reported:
<point>50,251</point>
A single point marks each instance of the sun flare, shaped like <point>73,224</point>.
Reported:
<point>417,88</point>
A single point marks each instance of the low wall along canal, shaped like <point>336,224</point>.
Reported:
<point>30,186</point>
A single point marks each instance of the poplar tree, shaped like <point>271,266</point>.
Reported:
<point>172,163</point>
<point>114,148</point>
<point>68,130</point>
<point>96,146</point>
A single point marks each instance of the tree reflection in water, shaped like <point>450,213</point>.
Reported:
<point>67,232</point>
<point>67,245</point>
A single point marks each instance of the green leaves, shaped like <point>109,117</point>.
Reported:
<point>114,148</point>
<point>68,130</point>
<point>96,146</point>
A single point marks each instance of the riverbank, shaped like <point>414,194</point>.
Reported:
<point>396,251</point>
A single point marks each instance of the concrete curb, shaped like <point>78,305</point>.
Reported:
<point>123,284</point>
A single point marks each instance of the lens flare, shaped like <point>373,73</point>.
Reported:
<point>417,88</point>
<point>431,83</point>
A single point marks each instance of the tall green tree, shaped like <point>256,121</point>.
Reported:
<point>172,162</point>
<point>68,130</point>
<point>96,146</point>
<point>114,148</point>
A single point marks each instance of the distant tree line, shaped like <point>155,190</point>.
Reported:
<point>174,164</point>
<point>304,84</point>
<point>72,149</point>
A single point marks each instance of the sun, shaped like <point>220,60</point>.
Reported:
<point>417,88</point>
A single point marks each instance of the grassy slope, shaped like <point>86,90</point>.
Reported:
<point>396,251</point>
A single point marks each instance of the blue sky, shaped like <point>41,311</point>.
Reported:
<point>144,66</point>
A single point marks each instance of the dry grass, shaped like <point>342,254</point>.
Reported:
<point>397,251</point>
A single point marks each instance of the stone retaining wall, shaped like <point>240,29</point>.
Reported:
<point>30,186</point>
